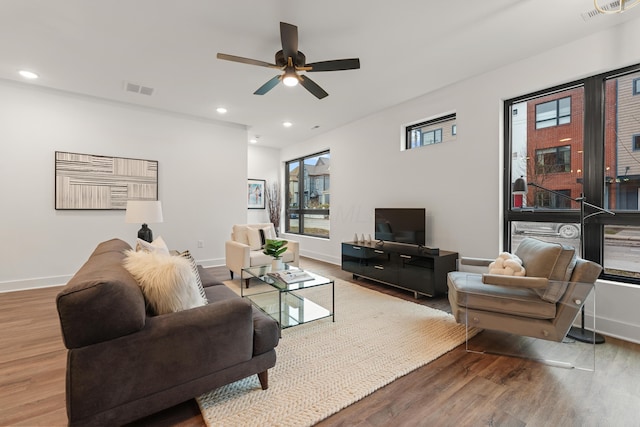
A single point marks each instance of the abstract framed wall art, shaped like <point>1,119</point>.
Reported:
<point>255,194</point>
<point>93,182</point>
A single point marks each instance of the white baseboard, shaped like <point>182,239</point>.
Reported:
<point>613,328</point>
<point>321,257</point>
<point>34,283</point>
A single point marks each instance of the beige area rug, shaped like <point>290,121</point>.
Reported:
<point>323,367</point>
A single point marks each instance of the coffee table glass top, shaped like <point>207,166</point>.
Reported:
<point>262,273</point>
<point>290,304</point>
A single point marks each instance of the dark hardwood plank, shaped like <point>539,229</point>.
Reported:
<point>458,389</point>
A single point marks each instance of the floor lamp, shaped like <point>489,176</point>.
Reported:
<point>577,333</point>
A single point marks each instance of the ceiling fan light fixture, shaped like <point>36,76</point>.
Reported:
<point>290,79</point>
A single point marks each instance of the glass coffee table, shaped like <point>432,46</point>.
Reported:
<point>290,304</point>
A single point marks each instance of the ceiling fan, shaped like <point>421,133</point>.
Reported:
<point>291,61</point>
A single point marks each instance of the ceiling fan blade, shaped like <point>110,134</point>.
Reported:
<point>289,39</point>
<point>245,60</point>
<point>313,87</point>
<point>335,65</point>
<point>268,86</point>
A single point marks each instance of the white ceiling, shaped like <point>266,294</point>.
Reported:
<point>406,48</point>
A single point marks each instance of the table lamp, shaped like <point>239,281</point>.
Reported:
<point>144,211</point>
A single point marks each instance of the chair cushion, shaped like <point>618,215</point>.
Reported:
<point>551,260</point>
<point>469,291</point>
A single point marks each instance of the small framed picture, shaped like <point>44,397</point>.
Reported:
<point>255,194</point>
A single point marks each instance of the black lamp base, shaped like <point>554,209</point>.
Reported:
<point>145,233</point>
<point>584,335</point>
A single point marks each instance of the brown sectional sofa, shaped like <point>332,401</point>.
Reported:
<point>124,364</point>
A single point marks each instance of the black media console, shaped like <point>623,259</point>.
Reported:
<point>420,270</point>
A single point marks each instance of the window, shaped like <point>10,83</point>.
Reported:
<point>308,195</point>
<point>592,156</point>
<point>561,199</point>
<point>596,139</point>
<point>553,113</point>
<point>435,131</point>
<point>454,129</point>
<point>432,136</point>
<point>553,160</point>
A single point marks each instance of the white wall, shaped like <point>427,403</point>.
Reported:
<point>202,180</point>
<point>263,163</point>
<point>459,183</point>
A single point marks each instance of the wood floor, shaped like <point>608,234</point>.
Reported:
<point>458,389</point>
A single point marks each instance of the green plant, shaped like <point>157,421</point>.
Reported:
<point>275,248</point>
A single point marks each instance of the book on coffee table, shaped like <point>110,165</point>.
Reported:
<point>288,276</point>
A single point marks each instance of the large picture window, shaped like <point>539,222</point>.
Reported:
<point>308,196</point>
<point>592,155</point>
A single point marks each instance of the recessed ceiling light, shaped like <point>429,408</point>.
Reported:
<point>28,74</point>
<point>287,124</point>
<point>253,141</point>
<point>221,110</point>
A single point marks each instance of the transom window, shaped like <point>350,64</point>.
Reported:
<point>553,113</point>
<point>435,131</point>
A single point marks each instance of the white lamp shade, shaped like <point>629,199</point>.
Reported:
<point>143,211</point>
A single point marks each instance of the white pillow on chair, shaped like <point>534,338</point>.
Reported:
<point>258,237</point>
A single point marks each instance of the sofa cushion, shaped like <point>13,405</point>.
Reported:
<point>551,260</point>
<point>168,282</point>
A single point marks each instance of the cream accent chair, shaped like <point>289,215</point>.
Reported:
<point>543,304</point>
<point>245,248</point>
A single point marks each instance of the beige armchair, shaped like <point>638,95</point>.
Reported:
<point>543,304</point>
<point>244,249</point>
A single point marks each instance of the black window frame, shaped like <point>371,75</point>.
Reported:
<point>635,142</point>
<point>593,172</point>
<point>418,126</point>
<point>300,210</point>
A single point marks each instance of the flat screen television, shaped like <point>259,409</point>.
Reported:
<point>401,225</point>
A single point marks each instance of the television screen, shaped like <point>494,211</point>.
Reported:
<point>402,225</point>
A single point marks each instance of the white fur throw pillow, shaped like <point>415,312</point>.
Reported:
<point>508,265</point>
<point>158,245</point>
<point>167,282</point>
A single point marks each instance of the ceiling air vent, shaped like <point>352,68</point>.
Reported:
<point>614,5</point>
<point>137,88</point>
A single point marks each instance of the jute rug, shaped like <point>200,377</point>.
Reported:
<point>323,367</point>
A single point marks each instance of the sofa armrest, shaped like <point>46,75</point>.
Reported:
<point>293,246</point>
<point>237,256</point>
<point>516,281</point>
